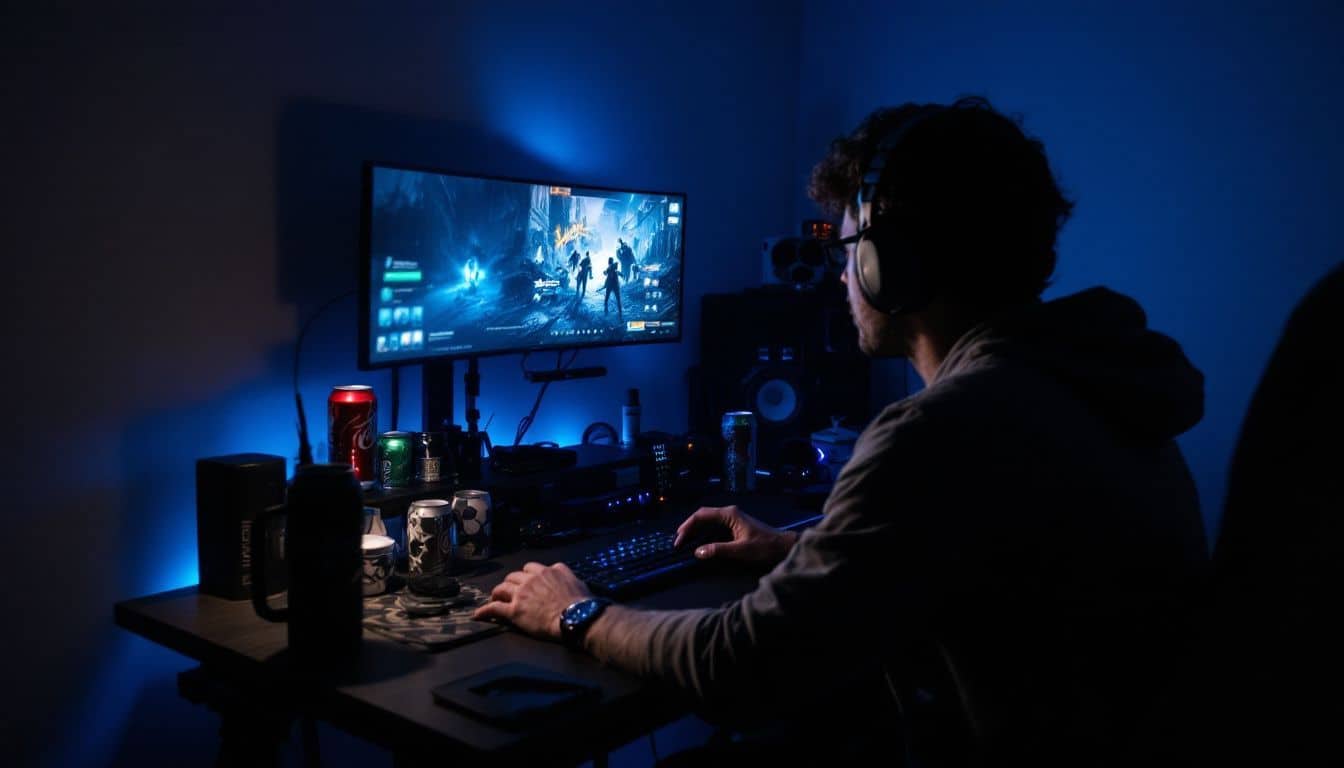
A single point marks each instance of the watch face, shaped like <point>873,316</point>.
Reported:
<point>576,616</point>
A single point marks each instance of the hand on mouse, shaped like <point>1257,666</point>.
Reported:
<point>752,541</point>
<point>533,598</point>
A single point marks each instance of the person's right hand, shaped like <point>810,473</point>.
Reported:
<point>752,541</point>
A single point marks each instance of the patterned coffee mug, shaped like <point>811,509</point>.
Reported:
<point>377,552</point>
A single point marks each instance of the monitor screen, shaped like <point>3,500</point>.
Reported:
<point>465,266</point>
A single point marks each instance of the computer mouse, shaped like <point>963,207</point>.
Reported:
<point>706,533</point>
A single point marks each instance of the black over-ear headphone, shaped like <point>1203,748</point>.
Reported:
<point>893,275</point>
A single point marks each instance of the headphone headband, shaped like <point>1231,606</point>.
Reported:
<point>876,166</point>
<point>892,274</point>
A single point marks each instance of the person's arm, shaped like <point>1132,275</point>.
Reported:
<point>822,617</point>
<point>751,540</point>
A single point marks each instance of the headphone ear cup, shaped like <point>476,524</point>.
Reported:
<point>883,264</point>
<point>868,270</point>
<point>889,272</point>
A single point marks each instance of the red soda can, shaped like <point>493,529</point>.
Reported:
<point>352,429</point>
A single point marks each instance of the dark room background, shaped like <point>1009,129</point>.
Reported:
<point>182,192</point>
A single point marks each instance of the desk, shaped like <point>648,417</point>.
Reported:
<point>389,702</point>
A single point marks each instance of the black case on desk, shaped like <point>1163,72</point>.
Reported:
<point>231,492</point>
<point>518,695</point>
<point>519,499</point>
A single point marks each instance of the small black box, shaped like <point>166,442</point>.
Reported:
<point>231,492</point>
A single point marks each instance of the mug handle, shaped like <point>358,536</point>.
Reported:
<point>259,557</point>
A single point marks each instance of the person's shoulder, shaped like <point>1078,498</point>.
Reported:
<point>898,428</point>
<point>953,408</point>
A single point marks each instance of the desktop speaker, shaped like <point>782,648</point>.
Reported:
<point>789,356</point>
<point>231,493</point>
<point>792,261</point>
<point>800,261</point>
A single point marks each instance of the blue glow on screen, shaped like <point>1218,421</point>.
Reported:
<point>464,265</point>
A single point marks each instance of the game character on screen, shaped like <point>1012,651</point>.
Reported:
<point>613,285</point>
<point>581,281</point>
<point>472,273</point>
<point>627,257</point>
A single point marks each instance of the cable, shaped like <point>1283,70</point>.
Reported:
<point>305,449</point>
<point>653,747</point>
<point>525,423</point>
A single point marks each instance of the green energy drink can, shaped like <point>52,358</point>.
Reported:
<point>739,451</point>
<point>394,459</point>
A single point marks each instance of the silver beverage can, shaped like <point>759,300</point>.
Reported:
<point>429,545</point>
<point>428,449</point>
<point>471,515</point>
<point>739,451</point>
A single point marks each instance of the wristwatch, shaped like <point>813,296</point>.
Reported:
<point>575,620</point>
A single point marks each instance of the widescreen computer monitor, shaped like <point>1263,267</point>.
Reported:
<point>465,266</point>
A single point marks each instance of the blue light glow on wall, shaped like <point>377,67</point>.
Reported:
<point>204,237</point>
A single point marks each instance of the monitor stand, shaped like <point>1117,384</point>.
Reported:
<point>437,393</point>
<point>437,404</point>
<point>436,396</point>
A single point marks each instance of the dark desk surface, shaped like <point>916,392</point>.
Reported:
<point>390,703</point>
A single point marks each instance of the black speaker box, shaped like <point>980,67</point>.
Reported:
<point>231,492</point>
<point>789,356</point>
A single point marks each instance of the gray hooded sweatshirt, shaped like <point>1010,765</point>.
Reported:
<point>1009,557</point>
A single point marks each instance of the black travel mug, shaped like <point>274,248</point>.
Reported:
<point>324,513</point>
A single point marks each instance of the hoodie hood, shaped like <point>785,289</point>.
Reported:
<point>1098,344</point>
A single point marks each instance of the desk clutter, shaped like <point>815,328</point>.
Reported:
<point>397,515</point>
<point>426,605</point>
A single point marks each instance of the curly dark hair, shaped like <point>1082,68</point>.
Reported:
<point>979,194</point>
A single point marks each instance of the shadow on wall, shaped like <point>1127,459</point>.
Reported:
<point>320,154</point>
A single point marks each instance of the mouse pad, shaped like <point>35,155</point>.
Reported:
<point>516,695</point>
<point>385,615</point>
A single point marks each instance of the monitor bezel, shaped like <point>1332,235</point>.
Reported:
<point>366,276</point>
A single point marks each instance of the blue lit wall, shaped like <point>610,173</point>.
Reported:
<point>1199,139</point>
<point>182,191</point>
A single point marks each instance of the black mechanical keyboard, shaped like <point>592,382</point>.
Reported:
<point>635,564</point>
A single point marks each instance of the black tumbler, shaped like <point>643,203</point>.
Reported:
<point>324,522</point>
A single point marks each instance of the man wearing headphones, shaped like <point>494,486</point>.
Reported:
<point>1006,564</point>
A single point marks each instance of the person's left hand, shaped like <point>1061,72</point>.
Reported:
<point>533,598</point>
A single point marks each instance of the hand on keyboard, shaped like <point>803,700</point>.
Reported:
<point>634,564</point>
<point>730,533</point>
